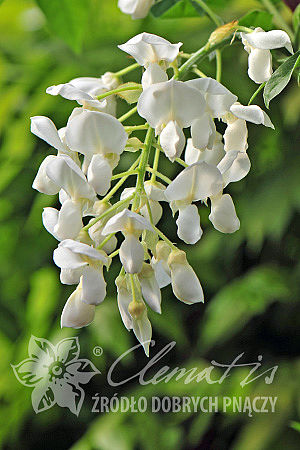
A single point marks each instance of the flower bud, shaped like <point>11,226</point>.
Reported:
<point>222,32</point>
<point>185,283</point>
<point>136,309</point>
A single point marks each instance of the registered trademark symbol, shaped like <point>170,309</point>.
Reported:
<point>97,350</point>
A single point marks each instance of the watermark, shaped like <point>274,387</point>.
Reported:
<point>187,404</point>
<point>56,374</point>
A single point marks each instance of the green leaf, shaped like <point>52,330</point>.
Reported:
<point>132,95</point>
<point>172,9</point>
<point>280,78</point>
<point>256,19</point>
<point>67,19</point>
<point>229,311</point>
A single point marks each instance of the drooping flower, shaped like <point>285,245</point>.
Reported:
<point>168,107</point>
<point>82,263</point>
<point>133,312</point>
<point>236,133</point>
<point>85,91</point>
<point>258,44</point>
<point>185,283</point>
<point>131,251</point>
<point>218,102</point>
<point>197,182</point>
<point>101,138</point>
<point>137,9</point>
<point>154,53</point>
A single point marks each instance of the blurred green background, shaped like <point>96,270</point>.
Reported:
<point>250,279</point>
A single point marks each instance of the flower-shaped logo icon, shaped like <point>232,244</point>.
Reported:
<point>55,373</point>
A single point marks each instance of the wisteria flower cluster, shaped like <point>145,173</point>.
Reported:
<point>181,121</point>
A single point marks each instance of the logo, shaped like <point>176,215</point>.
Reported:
<point>55,373</point>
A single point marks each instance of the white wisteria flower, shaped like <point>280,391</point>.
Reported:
<point>169,107</point>
<point>236,133</point>
<point>133,312</point>
<point>258,44</point>
<point>82,263</point>
<point>137,9</point>
<point>218,101</point>
<point>185,283</point>
<point>85,91</point>
<point>131,251</point>
<point>197,182</point>
<point>154,53</point>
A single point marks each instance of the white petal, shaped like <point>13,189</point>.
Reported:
<point>99,174</point>
<point>162,277</point>
<point>203,132</point>
<point>71,276</point>
<point>268,40</point>
<point>65,173</point>
<point>172,140</point>
<point>260,65</point>
<point>45,129</point>
<point>251,113</point>
<point>124,299</point>
<point>126,220</point>
<point>196,182</point>
<point>66,259</point>
<point>138,9</point>
<point>188,224</point>
<point>143,331</point>
<point>68,91</point>
<point>213,156</point>
<point>93,286</point>
<point>185,283</point>
<point>94,132</point>
<point>50,219</point>
<point>76,313</point>
<point>153,74</point>
<point>218,97</point>
<point>223,215</point>
<point>171,100</point>
<point>69,221</point>
<point>238,170</point>
<point>155,190</point>
<point>91,85</point>
<point>131,254</point>
<point>235,136</point>
<point>156,211</point>
<point>150,288</point>
<point>149,48</point>
<point>42,182</point>
<point>78,248</point>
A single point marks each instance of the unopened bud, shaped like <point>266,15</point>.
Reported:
<point>136,309</point>
<point>222,32</point>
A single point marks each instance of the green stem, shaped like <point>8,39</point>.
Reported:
<point>105,241</point>
<point>155,164</point>
<point>256,92</point>
<point>159,175</point>
<point>115,253</point>
<point>131,277</point>
<point>128,114</point>
<point>107,212</point>
<point>128,69</point>
<point>142,167</point>
<point>124,174</point>
<point>136,127</point>
<point>121,182</point>
<point>163,237</point>
<point>217,21</point>
<point>181,162</point>
<point>120,89</point>
<point>278,19</point>
<point>199,72</point>
<point>218,65</point>
<point>199,55</point>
